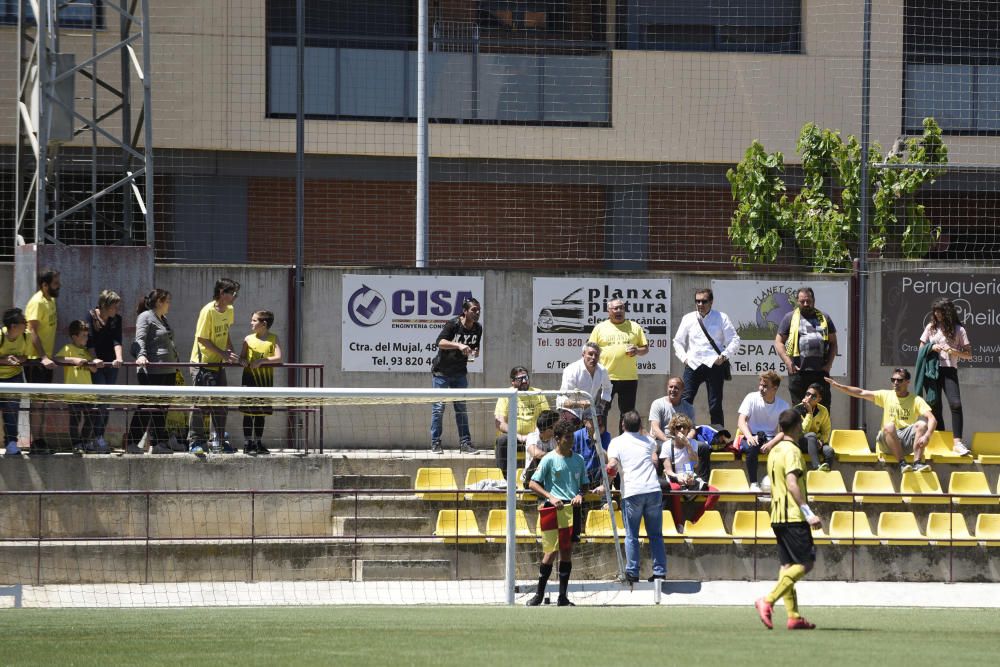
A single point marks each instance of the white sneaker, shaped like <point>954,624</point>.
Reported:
<point>755,488</point>
<point>961,449</point>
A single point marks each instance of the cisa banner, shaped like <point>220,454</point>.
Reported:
<point>757,307</point>
<point>391,323</point>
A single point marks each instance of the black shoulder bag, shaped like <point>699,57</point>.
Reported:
<point>727,368</point>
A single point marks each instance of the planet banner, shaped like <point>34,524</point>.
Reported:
<point>757,307</point>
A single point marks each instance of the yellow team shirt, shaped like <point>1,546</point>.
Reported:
<point>214,326</point>
<point>19,347</point>
<point>900,411</point>
<point>44,310</point>
<point>260,348</point>
<point>613,338</point>
<point>784,458</point>
<point>528,409</point>
<point>76,374</point>
<point>818,422</point>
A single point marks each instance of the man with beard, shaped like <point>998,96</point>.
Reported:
<point>807,343</point>
<point>621,341</point>
<point>43,319</point>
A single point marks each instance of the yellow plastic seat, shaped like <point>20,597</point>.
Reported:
<point>670,534</point>
<point>971,482</point>
<point>988,529</point>
<point>925,485</point>
<point>851,446</point>
<point>873,481</point>
<point>948,530</point>
<point>940,449</point>
<point>708,530</point>
<point>440,480</point>
<point>458,527</point>
<point>722,457</point>
<point>819,483</point>
<point>475,475</point>
<point>900,529</point>
<point>986,447</point>
<point>850,528</point>
<point>597,527</point>
<point>496,527</point>
<point>752,527</point>
<point>731,479</point>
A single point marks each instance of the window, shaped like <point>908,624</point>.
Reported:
<point>752,26</point>
<point>72,14</point>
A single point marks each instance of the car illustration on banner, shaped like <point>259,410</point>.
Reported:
<point>563,315</point>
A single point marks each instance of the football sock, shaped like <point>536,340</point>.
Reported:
<point>786,579</point>
<point>565,567</point>
<point>544,570</point>
<point>791,603</point>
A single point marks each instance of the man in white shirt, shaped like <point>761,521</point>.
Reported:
<point>634,454</point>
<point>585,374</point>
<point>758,422</point>
<point>703,362</point>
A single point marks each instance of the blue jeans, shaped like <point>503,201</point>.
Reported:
<point>99,417</point>
<point>461,416</point>
<point>648,506</point>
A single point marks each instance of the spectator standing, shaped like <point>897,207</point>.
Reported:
<point>212,347</point>
<point>585,374</point>
<point>621,342</point>
<point>679,456</point>
<point>758,422</point>
<point>154,343</point>
<point>259,347</point>
<point>950,341</point>
<point>458,343</point>
<point>43,319</point>
<point>78,368</point>
<point>807,344</point>
<point>642,498</point>
<point>705,342</point>
<point>105,343</point>
<point>528,409</point>
<point>15,346</point>
<point>664,409</point>
<point>816,429</point>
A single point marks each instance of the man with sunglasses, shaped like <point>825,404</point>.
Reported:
<point>816,428</point>
<point>907,421</point>
<point>705,340</point>
<point>528,409</point>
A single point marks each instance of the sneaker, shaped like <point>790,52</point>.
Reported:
<point>534,601</point>
<point>824,467</point>
<point>90,447</point>
<point>227,448</point>
<point>12,449</point>
<point>680,529</point>
<point>101,446</point>
<point>134,449</point>
<point>564,602</point>
<point>41,448</point>
<point>79,448</point>
<point>653,578</point>
<point>905,467</point>
<point>261,449</point>
<point>215,446</point>
<point>175,445</point>
<point>764,610</point>
<point>800,624</point>
<point>755,488</point>
<point>467,448</point>
<point>436,448</point>
<point>961,449</point>
<point>250,448</point>
<point>197,449</point>
<point>162,449</point>
<point>631,578</point>
<point>921,466</point>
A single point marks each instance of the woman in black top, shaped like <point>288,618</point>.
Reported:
<point>105,342</point>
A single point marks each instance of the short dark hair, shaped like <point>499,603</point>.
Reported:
<point>469,300</point>
<point>905,373</point>
<point>546,420</point>
<point>705,290</point>
<point>46,276</point>
<point>265,316</point>
<point>77,327</point>
<point>817,387</point>
<point>563,427</point>
<point>514,372</point>
<point>223,285</point>
<point>631,421</point>
<point>788,420</point>
<point>806,290</point>
<point>13,316</point>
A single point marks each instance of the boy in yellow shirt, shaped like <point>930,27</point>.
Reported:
<point>259,348</point>
<point>15,346</point>
<point>78,367</point>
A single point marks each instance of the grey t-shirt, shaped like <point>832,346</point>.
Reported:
<point>662,410</point>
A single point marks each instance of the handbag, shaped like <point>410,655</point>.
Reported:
<point>727,368</point>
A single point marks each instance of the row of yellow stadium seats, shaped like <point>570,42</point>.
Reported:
<point>440,484</point>
<point>914,487</point>
<point>749,527</point>
<point>852,446</point>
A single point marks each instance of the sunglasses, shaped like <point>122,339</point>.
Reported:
<point>702,301</point>
<point>521,378</point>
<point>811,395</point>
<point>897,380</point>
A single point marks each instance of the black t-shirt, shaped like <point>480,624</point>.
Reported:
<point>103,342</point>
<point>453,362</point>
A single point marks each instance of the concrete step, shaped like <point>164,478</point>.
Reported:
<point>372,481</point>
<point>394,526</point>
<point>404,570</point>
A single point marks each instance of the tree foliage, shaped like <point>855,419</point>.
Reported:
<point>821,223</point>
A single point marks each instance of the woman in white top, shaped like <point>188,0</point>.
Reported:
<point>950,340</point>
<point>680,459</point>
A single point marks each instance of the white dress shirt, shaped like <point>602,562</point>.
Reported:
<point>692,347</point>
<point>576,377</point>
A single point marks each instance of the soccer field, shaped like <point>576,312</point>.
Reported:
<point>494,635</point>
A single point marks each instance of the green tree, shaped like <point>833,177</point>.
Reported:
<point>821,223</point>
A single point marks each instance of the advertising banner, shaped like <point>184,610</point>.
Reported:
<point>391,323</point>
<point>566,310</point>
<point>906,310</point>
<point>756,308</point>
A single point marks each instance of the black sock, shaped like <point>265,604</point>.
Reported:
<point>544,570</point>
<point>565,567</point>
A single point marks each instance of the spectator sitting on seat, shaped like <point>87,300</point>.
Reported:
<point>678,456</point>
<point>664,409</point>
<point>586,374</point>
<point>592,444</point>
<point>815,439</point>
<point>528,409</point>
<point>540,442</point>
<point>758,422</point>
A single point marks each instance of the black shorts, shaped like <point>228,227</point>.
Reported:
<point>795,543</point>
<point>38,374</point>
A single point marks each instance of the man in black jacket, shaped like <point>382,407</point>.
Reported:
<point>458,343</point>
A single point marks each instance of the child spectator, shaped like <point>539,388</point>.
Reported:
<point>14,349</point>
<point>260,347</point>
<point>78,366</point>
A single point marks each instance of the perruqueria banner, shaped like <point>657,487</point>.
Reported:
<point>906,310</point>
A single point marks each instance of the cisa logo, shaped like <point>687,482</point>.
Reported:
<point>366,307</point>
